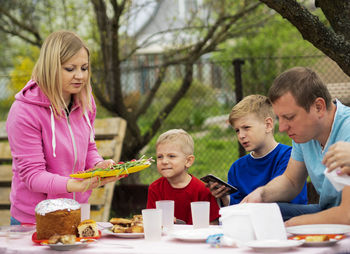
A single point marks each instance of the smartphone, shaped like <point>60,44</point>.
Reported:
<point>212,178</point>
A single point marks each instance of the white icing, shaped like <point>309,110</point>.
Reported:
<point>51,205</point>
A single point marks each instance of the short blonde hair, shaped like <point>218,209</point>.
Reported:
<point>177,136</point>
<point>258,104</point>
<point>57,49</point>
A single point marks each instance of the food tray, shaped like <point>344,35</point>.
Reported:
<point>106,173</point>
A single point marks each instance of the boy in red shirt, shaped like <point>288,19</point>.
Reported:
<point>174,150</point>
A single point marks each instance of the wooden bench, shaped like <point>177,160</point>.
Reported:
<point>109,136</point>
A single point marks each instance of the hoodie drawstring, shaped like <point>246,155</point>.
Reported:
<point>53,133</point>
<point>91,132</point>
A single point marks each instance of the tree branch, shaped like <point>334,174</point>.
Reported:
<point>22,26</point>
<point>312,29</point>
<point>151,94</point>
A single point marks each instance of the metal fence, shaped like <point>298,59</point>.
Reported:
<point>204,110</point>
<point>204,113</point>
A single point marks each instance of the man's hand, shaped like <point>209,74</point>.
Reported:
<point>255,196</point>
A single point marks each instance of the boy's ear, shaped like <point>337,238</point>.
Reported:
<point>189,160</point>
<point>269,124</point>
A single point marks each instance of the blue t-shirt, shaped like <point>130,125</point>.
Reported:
<point>248,173</point>
<point>311,154</point>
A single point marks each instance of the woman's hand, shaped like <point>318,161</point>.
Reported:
<point>76,185</point>
<point>105,164</point>
<point>338,157</point>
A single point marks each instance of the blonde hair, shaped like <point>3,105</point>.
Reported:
<point>177,136</point>
<point>57,49</point>
<point>255,103</point>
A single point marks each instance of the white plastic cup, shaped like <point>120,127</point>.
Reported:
<point>152,224</point>
<point>167,207</point>
<point>85,211</point>
<point>200,214</point>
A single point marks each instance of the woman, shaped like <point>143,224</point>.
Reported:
<point>50,130</point>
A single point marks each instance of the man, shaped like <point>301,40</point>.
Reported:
<point>307,114</point>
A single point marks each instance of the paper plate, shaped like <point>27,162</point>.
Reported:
<point>106,173</point>
<point>78,239</point>
<point>195,235</point>
<point>270,246</point>
<point>123,235</point>
<point>333,239</point>
<point>66,247</point>
<point>319,229</point>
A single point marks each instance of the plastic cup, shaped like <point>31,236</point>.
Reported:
<point>85,211</point>
<point>200,214</point>
<point>152,224</point>
<point>167,207</point>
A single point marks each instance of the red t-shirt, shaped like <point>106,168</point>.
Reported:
<point>194,191</point>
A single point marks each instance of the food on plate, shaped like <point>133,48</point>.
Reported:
<point>121,168</point>
<point>88,228</point>
<point>65,239</point>
<point>136,219</point>
<point>316,238</point>
<point>122,225</point>
<point>57,217</point>
<point>134,229</point>
<point>121,221</point>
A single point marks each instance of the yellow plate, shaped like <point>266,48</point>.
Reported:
<point>111,172</point>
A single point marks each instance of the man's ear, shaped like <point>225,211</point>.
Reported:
<point>269,124</point>
<point>320,106</point>
<point>189,160</point>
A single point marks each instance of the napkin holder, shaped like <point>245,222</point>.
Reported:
<point>253,221</point>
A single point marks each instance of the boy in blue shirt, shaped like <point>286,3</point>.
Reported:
<point>252,120</point>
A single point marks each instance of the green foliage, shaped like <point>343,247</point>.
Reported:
<point>259,50</point>
<point>189,113</point>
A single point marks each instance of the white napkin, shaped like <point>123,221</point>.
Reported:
<point>339,182</point>
<point>267,221</point>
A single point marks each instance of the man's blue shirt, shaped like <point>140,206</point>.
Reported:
<point>311,153</point>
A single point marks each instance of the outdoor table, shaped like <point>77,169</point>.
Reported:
<point>111,244</point>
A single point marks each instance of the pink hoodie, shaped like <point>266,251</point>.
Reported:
<point>46,150</point>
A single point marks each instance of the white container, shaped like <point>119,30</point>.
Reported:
<point>85,211</point>
<point>167,206</point>
<point>237,224</point>
<point>152,224</point>
<point>200,214</point>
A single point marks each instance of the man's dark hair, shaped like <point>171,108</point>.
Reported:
<point>304,84</point>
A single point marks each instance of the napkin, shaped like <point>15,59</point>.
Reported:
<point>339,182</point>
<point>267,221</point>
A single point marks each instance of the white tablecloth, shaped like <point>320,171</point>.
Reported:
<point>111,244</point>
